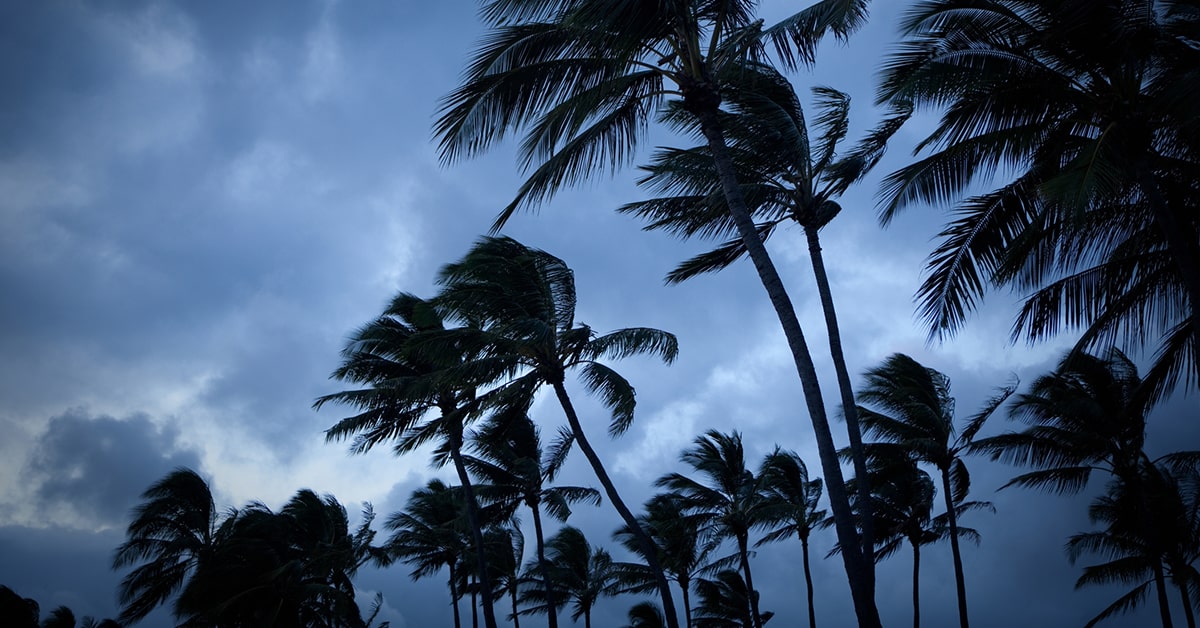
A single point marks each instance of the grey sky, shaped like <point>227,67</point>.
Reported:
<point>200,201</point>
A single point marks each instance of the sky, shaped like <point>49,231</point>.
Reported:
<point>199,202</point>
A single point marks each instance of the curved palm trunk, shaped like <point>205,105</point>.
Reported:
<point>808,583</point>
<point>454,596</point>
<point>952,519</point>
<point>1160,585</point>
<point>916,586</point>
<point>647,545</point>
<point>543,566</point>
<point>859,576</point>
<point>489,615</point>
<point>744,551</point>
<point>512,593</point>
<point>858,454</point>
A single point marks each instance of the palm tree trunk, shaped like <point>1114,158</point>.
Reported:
<point>1160,584</point>
<point>959,579</point>
<point>858,454</point>
<point>685,584</point>
<point>512,593</point>
<point>859,577</point>
<point>647,545</point>
<point>489,615</point>
<point>454,596</point>
<point>474,585</point>
<point>744,551</point>
<point>544,567</point>
<point>1188,614</point>
<point>808,583</point>
<point>916,586</point>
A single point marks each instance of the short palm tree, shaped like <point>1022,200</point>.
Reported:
<point>510,464</point>
<point>790,506</point>
<point>646,615</point>
<point>524,300</point>
<point>1090,106</point>
<point>430,534</point>
<point>729,498</point>
<point>580,575</point>
<point>1145,550</point>
<point>581,79</point>
<point>685,547</point>
<point>727,602</point>
<point>17,611</point>
<point>406,402</point>
<point>910,405</point>
<point>175,529</point>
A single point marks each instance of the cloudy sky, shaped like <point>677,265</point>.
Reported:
<point>200,201</point>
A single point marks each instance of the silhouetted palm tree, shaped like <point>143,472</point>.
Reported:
<point>582,78</point>
<point>403,390</point>
<point>1145,550</point>
<point>1090,106</point>
<point>510,463</point>
<point>729,500</point>
<point>646,615</point>
<point>174,530</point>
<point>785,173</point>
<point>790,506</point>
<point>580,575</point>
<point>726,602</point>
<point>685,546</point>
<point>17,611</point>
<point>429,534</point>
<point>910,405</point>
<point>524,299</point>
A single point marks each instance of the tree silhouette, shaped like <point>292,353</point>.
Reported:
<point>524,299</point>
<point>430,534</point>
<point>580,574</point>
<point>910,405</point>
<point>790,505</point>
<point>726,602</point>
<point>730,502</point>
<point>403,389</point>
<point>581,80</point>
<point>1089,106</point>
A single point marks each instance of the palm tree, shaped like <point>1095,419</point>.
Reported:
<point>646,615</point>
<point>17,611</point>
<point>684,544</point>
<point>428,534</point>
<point>1087,415</point>
<point>916,412</point>
<point>727,602</point>
<point>580,574</point>
<point>524,299</point>
<point>174,530</point>
<point>791,505</point>
<point>403,389</point>
<point>505,546</point>
<point>510,464</point>
<point>582,78</point>
<point>730,503</point>
<point>1144,549</point>
<point>1091,106</point>
<point>786,173</point>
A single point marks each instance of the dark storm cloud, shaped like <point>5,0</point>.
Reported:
<point>95,467</point>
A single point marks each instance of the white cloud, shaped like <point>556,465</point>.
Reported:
<point>264,172</point>
<point>160,42</point>
<point>323,70</point>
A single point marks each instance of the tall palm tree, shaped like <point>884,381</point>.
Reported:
<point>685,547</point>
<point>910,405</point>
<point>1144,550</point>
<point>730,499</point>
<point>509,462</point>
<point>580,574</point>
<point>581,80</point>
<point>505,545</point>
<point>788,170</point>
<point>429,534</point>
<point>524,300</point>
<point>1090,106</point>
<point>791,507</point>
<point>402,391</point>
<point>175,529</point>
